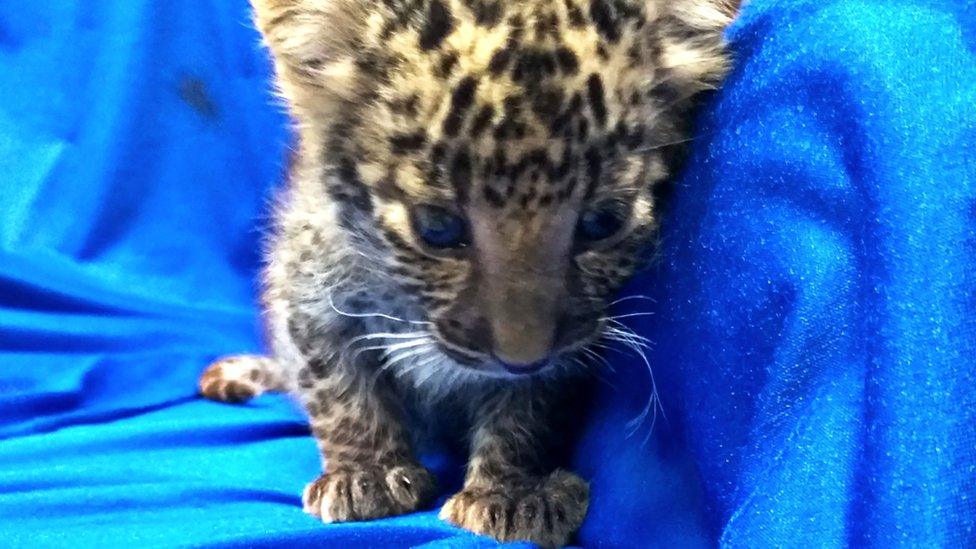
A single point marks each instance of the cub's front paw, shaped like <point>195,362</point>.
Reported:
<point>544,511</point>
<point>362,492</point>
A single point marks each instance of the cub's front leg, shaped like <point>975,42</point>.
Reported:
<point>509,492</point>
<point>369,468</point>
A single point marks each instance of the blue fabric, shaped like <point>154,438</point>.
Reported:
<point>814,318</point>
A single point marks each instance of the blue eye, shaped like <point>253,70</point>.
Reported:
<point>440,228</point>
<point>600,223</point>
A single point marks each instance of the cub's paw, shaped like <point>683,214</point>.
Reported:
<point>363,492</point>
<point>545,511</point>
<point>237,378</point>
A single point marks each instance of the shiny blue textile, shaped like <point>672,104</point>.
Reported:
<point>814,319</point>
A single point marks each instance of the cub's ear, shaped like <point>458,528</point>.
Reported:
<point>313,43</point>
<point>693,44</point>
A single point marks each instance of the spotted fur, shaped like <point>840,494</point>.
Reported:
<point>520,116</point>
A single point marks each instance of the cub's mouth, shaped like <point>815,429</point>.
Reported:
<point>569,344</point>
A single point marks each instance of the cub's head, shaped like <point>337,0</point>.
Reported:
<point>503,153</point>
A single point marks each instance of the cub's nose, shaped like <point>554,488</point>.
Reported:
<point>523,344</point>
<point>519,347</point>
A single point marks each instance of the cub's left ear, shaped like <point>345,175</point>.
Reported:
<point>314,47</point>
<point>693,44</point>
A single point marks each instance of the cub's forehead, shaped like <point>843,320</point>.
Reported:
<point>490,51</point>
<point>430,24</point>
<point>480,90</point>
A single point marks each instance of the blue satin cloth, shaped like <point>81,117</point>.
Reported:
<point>811,320</point>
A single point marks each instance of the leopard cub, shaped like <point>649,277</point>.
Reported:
<point>474,180</point>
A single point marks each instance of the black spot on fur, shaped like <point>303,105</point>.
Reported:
<point>448,62</point>
<point>594,167</point>
<point>438,25</point>
<point>387,187</point>
<point>499,61</point>
<point>405,105</point>
<point>438,153</point>
<point>402,14</point>
<point>511,125</point>
<point>403,143</point>
<point>509,190</point>
<point>534,163</point>
<point>411,104</point>
<point>500,163</point>
<point>568,62</point>
<point>617,135</point>
<point>594,91</point>
<point>575,14</point>
<point>487,13</point>
<point>546,25</point>
<point>461,101</point>
<point>351,191</point>
<point>570,186</point>
<point>520,130</point>
<point>547,104</point>
<point>506,130</point>
<point>606,22</point>
<point>533,66</point>
<point>582,130</point>
<point>575,103</point>
<point>376,67</point>
<point>461,175</point>
<point>493,197</point>
<point>402,249</point>
<point>634,55</point>
<point>518,27</point>
<point>481,120</point>
<point>562,124</point>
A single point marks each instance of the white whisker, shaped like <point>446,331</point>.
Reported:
<point>431,369</point>
<point>385,335</point>
<point>598,358</point>
<point>375,315</point>
<point>388,350</point>
<point>638,345</point>
<point>620,330</point>
<point>397,358</point>
<point>657,146</point>
<point>627,315</point>
<point>632,297</point>
<point>353,351</point>
<point>596,372</point>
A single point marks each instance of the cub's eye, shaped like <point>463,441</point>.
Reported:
<point>439,227</point>
<point>600,223</point>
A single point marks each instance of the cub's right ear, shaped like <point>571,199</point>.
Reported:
<point>314,44</point>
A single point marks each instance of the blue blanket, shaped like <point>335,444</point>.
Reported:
<point>814,309</point>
